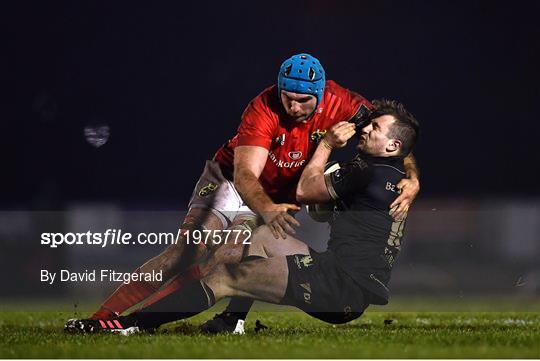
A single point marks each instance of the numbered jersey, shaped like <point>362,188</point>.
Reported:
<point>290,144</point>
<point>364,237</point>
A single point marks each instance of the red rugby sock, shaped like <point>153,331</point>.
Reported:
<point>193,273</point>
<point>125,296</point>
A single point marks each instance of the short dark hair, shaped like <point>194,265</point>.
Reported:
<point>405,129</point>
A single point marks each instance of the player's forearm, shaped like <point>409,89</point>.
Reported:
<point>411,169</point>
<point>317,163</point>
<point>251,191</point>
<point>312,179</point>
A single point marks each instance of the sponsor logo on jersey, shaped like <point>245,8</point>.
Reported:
<point>295,155</point>
<point>207,189</point>
<point>281,164</point>
<point>317,135</point>
<point>392,188</point>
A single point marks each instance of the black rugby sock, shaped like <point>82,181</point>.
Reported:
<point>239,306</point>
<point>191,300</point>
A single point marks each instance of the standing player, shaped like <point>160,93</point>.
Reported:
<point>335,286</point>
<point>257,172</point>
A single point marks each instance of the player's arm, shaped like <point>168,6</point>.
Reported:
<point>411,168</point>
<point>312,185</point>
<point>409,188</point>
<point>249,162</point>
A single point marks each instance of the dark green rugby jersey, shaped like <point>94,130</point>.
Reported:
<point>363,236</point>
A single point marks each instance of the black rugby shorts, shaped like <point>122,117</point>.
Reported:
<point>319,287</point>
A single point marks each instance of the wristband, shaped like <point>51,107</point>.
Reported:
<point>326,144</point>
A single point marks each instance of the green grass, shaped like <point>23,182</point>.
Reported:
<point>291,334</point>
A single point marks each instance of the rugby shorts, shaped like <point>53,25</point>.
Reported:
<point>319,287</point>
<point>218,194</point>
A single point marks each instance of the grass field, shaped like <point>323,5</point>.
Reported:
<point>292,334</point>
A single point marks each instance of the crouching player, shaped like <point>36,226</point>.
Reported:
<point>335,286</point>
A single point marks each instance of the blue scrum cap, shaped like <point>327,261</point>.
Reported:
<point>302,73</point>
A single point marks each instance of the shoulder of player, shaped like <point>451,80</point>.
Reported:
<point>369,164</point>
<point>358,165</point>
<point>332,85</point>
<point>340,103</point>
<point>333,88</point>
<point>267,96</point>
<point>265,104</point>
<point>392,164</point>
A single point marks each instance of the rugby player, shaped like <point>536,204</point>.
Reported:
<point>335,286</point>
<point>256,173</point>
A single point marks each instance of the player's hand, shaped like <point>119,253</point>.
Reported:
<point>339,134</point>
<point>409,188</point>
<point>279,220</point>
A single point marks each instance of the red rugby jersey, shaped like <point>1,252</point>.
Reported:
<point>290,144</point>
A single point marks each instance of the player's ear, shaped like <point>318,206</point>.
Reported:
<point>393,145</point>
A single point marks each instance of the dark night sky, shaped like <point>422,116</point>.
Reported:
<point>171,80</point>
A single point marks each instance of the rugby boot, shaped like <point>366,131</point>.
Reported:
<point>123,325</point>
<point>225,322</point>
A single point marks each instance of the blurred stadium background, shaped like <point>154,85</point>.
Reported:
<point>109,110</point>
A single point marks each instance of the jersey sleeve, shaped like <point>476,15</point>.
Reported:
<point>352,104</point>
<point>350,178</point>
<point>257,125</point>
